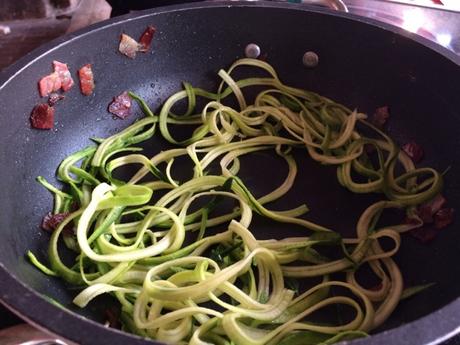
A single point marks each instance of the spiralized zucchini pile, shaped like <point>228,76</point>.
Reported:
<point>146,242</point>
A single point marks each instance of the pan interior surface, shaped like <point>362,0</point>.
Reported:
<point>361,66</point>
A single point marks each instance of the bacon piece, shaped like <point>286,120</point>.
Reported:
<point>42,116</point>
<point>54,98</point>
<point>146,39</point>
<point>128,46</point>
<point>427,210</point>
<point>380,117</point>
<point>85,74</point>
<point>121,105</point>
<point>425,234</point>
<point>411,221</point>
<point>443,218</point>
<point>64,75</point>
<point>50,83</point>
<point>437,203</point>
<point>51,221</point>
<point>414,151</point>
<point>425,213</point>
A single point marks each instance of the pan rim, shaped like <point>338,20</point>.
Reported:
<point>7,74</point>
<point>19,297</point>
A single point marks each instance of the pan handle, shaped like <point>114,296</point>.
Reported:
<point>337,5</point>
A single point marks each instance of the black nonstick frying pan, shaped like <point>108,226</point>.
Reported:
<point>363,64</point>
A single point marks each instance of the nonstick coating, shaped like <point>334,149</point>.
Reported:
<point>362,64</point>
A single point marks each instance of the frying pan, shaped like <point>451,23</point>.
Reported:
<point>363,64</point>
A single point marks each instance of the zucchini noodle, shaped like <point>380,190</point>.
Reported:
<point>185,273</point>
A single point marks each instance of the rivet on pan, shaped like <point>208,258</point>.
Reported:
<point>252,50</point>
<point>310,59</point>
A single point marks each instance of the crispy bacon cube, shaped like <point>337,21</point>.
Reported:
<point>86,77</point>
<point>146,39</point>
<point>121,105</point>
<point>48,84</point>
<point>128,46</point>
<point>64,75</point>
<point>42,116</point>
<point>443,218</point>
<point>414,151</point>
